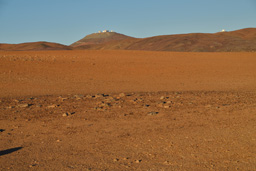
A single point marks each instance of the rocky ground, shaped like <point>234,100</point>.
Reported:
<point>198,130</point>
<point>127,110</point>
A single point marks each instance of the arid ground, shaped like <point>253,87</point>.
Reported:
<point>127,110</point>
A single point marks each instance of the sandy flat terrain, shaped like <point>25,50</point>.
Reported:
<point>127,110</point>
<point>62,72</point>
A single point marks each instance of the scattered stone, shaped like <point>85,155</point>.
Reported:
<point>98,108</point>
<point>153,113</point>
<point>32,165</point>
<point>116,160</point>
<point>98,96</point>
<point>62,99</point>
<point>65,114</point>
<point>121,95</point>
<point>78,96</point>
<point>88,96</point>
<point>58,140</point>
<point>2,130</point>
<point>52,106</point>
<point>167,162</point>
<point>68,113</point>
<point>24,105</point>
<point>105,95</point>
<point>9,107</point>
<point>138,161</point>
<point>162,98</point>
<point>167,106</point>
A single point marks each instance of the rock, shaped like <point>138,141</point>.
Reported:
<point>24,105</point>
<point>78,96</point>
<point>106,104</point>
<point>167,106</point>
<point>52,106</point>
<point>138,161</point>
<point>116,160</point>
<point>98,96</point>
<point>121,95</point>
<point>167,162</point>
<point>153,113</point>
<point>162,98</point>
<point>63,99</point>
<point>9,107</point>
<point>68,113</point>
<point>98,108</point>
<point>88,96</point>
<point>32,165</point>
<point>65,114</point>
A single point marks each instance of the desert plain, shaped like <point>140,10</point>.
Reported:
<point>127,110</point>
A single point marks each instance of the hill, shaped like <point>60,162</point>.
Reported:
<point>34,46</point>
<point>239,40</point>
<point>243,40</point>
<point>99,38</point>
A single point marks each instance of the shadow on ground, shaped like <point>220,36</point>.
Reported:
<point>8,151</point>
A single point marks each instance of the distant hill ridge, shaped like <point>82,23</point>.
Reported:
<point>236,41</point>
<point>34,46</point>
<point>99,38</point>
<point>243,40</point>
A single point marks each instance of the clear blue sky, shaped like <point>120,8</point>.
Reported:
<point>66,21</point>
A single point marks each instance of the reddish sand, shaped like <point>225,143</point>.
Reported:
<point>62,110</point>
<point>62,72</point>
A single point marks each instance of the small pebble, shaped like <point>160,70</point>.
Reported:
<point>153,113</point>
<point>138,161</point>
<point>115,160</point>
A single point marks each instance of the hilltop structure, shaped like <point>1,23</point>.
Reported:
<point>105,31</point>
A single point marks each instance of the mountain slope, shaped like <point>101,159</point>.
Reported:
<point>239,40</point>
<point>99,38</point>
<point>34,46</point>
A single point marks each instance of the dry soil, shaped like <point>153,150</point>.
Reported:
<point>127,110</point>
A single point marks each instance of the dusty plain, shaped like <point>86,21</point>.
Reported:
<point>127,110</point>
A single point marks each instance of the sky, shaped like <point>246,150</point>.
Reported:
<point>66,21</point>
